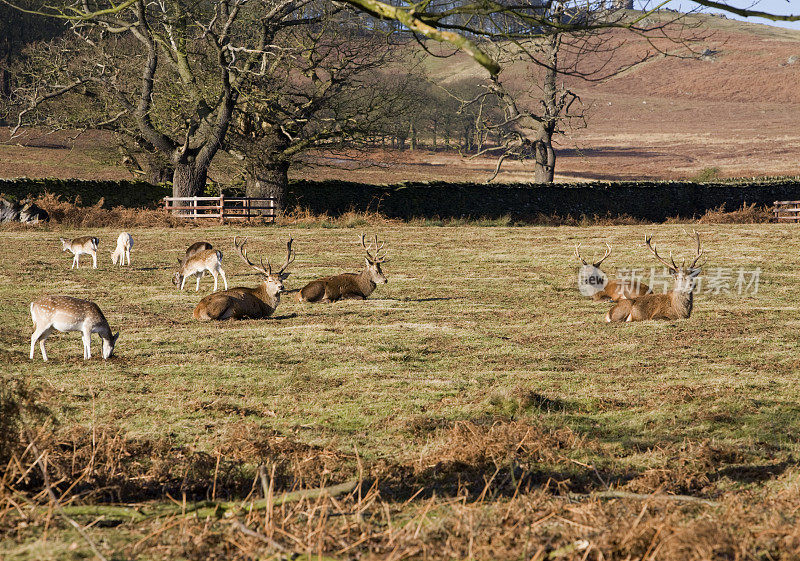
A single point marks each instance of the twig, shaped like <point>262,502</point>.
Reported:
<point>642,497</point>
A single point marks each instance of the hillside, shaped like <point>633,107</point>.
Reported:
<point>733,112</point>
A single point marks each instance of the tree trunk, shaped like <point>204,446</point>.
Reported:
<point>189,180</point>
<point>269,179</point>
<point>545,157</point>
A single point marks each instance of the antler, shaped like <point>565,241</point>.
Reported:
<point>376,258</point>
<point>580,258</point>
<point>699,251</point>
<point>290,255</point>
<point>673,267</point>
<point>607,253</point>
<point>240,249</point>
<point>578,255</point>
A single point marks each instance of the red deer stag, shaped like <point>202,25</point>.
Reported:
<point>595,283</point>
<point>672,305</point>
<point>242,302</point>
<point>348,285</point>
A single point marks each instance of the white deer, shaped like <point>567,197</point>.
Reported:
<point>197,264</point>
<point>123,250</point>
<point>65,313</point>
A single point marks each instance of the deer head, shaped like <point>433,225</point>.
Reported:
<point>591,279</point>
<point>684,276</point>
<point>272,280</point>
<point>373,261</point>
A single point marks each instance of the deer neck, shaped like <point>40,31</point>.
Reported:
<point>365,284</point>
<point>682,301</point>
<point>270,299</point>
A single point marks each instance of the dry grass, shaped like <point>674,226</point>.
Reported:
<point>483,405</point>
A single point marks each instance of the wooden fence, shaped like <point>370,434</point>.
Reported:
<point>222,208</point>
<point>786,211</point>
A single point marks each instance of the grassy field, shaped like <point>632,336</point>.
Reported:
<point>484,405</point>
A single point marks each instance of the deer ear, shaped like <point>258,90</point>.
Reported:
<point>115,337</point>
<point>694,272</point>
<point>285,276</point>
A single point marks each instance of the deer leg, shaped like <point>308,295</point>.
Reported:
<point>183,281</point>
<point>128,255</point>
<point>40,336</point>
<point>94,260</point>
<point>198,277</point>
<point>87,343</point>
<point>76,264</point>
<point>224,278</point>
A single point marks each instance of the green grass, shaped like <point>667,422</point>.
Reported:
<point>476,324</point>
<point>468,314</point>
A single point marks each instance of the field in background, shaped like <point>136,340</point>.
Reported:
<point>669,118</point>
<point>477,377</point>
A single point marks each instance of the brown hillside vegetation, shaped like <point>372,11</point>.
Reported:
<point>734,112</point>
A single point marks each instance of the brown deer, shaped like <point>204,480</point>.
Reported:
<point>207,260</point>
<point>595,283</point>
<point>65,313</point>
<point>672,305</point>
<point>79,246</point>
<point>242,302</point>
<point>191,251</point>
<point>356,286</point>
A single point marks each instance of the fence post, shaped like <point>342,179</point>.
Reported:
<point>221,208</point>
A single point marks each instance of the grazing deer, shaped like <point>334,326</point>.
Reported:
<point>65,313</point>
<point>672,305</point>
<point>242,302</point>
<point>348,285</point>
<point>79,246</point>
<point>123,249</point>
<point>595,283</point>
<point>192,250</point>
<point>197,264</point>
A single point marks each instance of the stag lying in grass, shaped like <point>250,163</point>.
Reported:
<point>79,246</point>
<point>242,302</point>
<point>64,313</point>
<point>595,283</point>
<point>356,286</point>
<point>675,304</point>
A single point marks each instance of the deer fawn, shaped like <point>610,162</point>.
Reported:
<point>243,302</point>
<point>675,304</point>
<point>348,285</point>
<point>595,283</point>
<point>79,246</point>
<point>123,249</point>
<point>65,313</point>
<point>197,262</point>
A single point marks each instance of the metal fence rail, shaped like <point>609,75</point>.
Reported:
<point>222,208</point>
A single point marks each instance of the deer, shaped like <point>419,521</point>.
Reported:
<point>193,249</point>
<point>672,305</point>
<point>65,313</point>
<point>123,249</point>
<point>357,286</point>
<point>243,302</point>
<point>598,285</point>
<point>79,246</point>
<point>197,264</point>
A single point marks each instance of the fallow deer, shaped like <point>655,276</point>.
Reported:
<point>192,250</point>
<point>672,305</point>
<point>79,246</point>
<point>197,264</point>
<point>243,302</point>
<point>65,313</point>
<point>348,285</point>
<point>600,287</point>
<point>123,249</point>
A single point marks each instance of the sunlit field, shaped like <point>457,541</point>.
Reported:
<point>482,405</point>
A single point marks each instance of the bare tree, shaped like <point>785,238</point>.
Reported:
<point>170,71</point>
<point>331,86</point>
